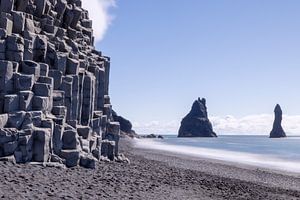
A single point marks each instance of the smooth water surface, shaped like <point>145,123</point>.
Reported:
<point>261,151</point>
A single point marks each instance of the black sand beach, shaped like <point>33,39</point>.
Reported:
<point>150,175</point>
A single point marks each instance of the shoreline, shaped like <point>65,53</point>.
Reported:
<point>150,175</point>
<point>222,168</point>
<point>210,159</point>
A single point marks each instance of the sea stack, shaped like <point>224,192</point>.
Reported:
<point>277,131</point>
<point>196,123</point>
<point>54,103</point>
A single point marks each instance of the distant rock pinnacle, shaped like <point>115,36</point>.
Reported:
<point>277,131</point>
<point>196,123</point>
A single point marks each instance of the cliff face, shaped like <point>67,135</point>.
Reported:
<point>54,103</point>
<point>277,131</point>
<point>196,123</point>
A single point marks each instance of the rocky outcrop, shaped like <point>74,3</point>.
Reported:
<point>54,103</point>
<point>277,131</point>
<point>196,123</point>
<point>152,136</point>
<point>125,126</point>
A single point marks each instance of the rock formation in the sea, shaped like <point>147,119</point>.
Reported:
<point>152,136</point>
<point>196,123</point>
<point>277,131</point>
<point>54,103</point>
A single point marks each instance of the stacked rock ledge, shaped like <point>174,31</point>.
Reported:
<point>54,103</point>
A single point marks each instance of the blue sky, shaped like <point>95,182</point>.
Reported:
<point>242,56</point>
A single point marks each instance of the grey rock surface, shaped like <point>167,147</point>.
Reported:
<point>54,103</point>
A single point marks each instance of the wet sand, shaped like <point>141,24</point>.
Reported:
<point>150,175</point>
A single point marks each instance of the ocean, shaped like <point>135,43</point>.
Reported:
<point>260,151</point>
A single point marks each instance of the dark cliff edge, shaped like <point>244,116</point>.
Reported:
<point>196,122</point>
<point>126,130</point>
<point>125,126</point>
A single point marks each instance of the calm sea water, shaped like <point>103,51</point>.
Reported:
<point>283,154</point>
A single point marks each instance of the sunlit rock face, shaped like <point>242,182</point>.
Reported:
<point>277,131</point>
<point>54,103</point>
<point>196,123</point>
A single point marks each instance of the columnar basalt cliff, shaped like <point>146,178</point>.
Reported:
<point>277,131</point>
<point>54,103</point>
<point>196,123</point>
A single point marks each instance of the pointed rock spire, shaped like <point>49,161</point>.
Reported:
<point>277,131</point>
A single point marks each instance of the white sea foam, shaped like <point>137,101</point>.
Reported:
<point>286,161</point>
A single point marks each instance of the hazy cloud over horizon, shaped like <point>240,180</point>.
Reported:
<point>252,124</point>
<point>99,12</point>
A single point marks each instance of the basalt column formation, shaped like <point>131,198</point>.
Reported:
<point>54,103</point>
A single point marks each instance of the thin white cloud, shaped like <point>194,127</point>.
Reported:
<point>156,127</point>
<point>99,12</point>
<point>252,124</point>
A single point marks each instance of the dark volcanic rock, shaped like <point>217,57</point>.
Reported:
<point>277,131</point>
<point>152,136</point>
<point>125,124</point>
<point>196,123</point>
<point>160,137</point>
